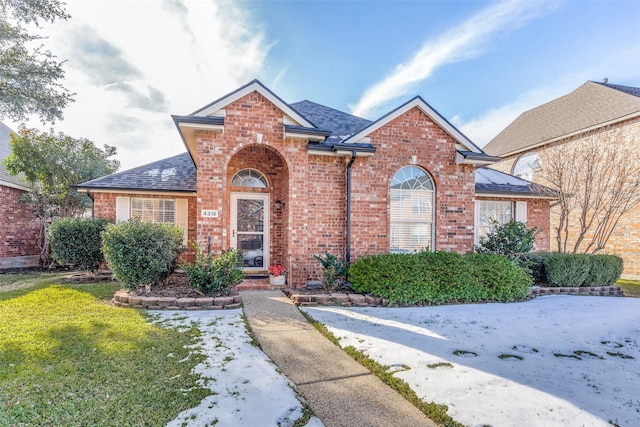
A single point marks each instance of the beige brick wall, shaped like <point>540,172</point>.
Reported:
<point>625,239</point>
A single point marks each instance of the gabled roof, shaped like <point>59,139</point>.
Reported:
<point>342,125</point>
<point>467,151</point>
<point>492,182</point>
<point>590,106</point>
<point>6,178</point>
<point>253,86</point>
<point>211,116</point>
<point>174,174</point>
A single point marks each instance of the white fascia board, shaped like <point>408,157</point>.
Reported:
<point>254,87</point>
<point>200,126</point>
<point>134,192</point>
<point>460,160</point>
<point>481,196</point>
<point>425,108</point>
<point>304,136</point>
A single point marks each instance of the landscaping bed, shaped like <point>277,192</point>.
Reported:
<point>318,297</point>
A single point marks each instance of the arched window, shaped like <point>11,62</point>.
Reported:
<point>526,165</point>
<point>411,210</point>
<point>250,178</point>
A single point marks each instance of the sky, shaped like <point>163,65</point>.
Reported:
<point>480,64</point>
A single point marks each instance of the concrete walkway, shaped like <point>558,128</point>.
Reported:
<point>340,391</point>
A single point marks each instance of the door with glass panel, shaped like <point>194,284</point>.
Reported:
<point>250,229</point>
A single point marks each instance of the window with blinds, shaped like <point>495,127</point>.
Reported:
<point>154,210</point>
<point>488,210</point>
<point>411,210</point>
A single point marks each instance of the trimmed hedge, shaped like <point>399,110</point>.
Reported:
<point>575,270</point>
<point>77,242</point>
<point>141,253</point>
<point>439,277</point>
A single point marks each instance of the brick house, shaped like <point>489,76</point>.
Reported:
<point>18,226</point>
<point>608,112</point>
<point>282,182</point>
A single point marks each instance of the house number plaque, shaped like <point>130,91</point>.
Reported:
<point>209,213</point>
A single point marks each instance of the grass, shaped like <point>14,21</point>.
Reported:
<point>631,288</point>
<point>67,358</point>
<point>437,413</point>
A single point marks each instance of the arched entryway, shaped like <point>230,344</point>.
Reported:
<point>258,194</point>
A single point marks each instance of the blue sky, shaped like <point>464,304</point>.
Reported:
<point>480,64</point>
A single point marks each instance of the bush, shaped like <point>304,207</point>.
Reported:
<point>141,253</point>
<point>77,242</point>
<point>534,262</point>
<point>569,270</point>
<point>500,278</point>
<point>509,239</point>
<point>335,269</point>
<point>439,277</point>
<point>210,274</point>
<point>605,270</point>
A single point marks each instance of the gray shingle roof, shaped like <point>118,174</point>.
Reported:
<point>590,105</point>
<point>341,124</point>
<point>177,173</point>
<point>495,182</point>
<point>5,150</point>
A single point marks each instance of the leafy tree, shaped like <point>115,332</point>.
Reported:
<point>30,76</point>
<point>52,164</point>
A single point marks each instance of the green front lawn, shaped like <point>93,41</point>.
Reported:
<point>631,288</point>
<point>67,358</point>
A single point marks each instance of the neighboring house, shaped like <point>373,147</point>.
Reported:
<point>611,112</point>
<point>282,182</point>
<point>18,226</point>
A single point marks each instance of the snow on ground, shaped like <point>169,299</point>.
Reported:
<point>248,389</point>
<point>555,360</point>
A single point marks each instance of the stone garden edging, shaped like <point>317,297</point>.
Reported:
<point>122,298</point>
<point>358,300</point>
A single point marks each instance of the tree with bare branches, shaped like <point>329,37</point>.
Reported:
<point>597,180</point>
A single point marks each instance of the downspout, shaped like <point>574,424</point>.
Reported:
<point>348,252</point>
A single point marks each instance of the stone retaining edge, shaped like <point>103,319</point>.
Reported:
<point>357,300</point>
<point>123,299</point>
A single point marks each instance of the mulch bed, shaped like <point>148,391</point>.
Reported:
<point>177,286</point>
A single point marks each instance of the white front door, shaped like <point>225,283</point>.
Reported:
<point>250,229</point>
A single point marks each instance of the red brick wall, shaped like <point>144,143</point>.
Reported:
<point>104,206</point>
<point>412,134</point>
<point>18,227</point>
<point>538,212</point>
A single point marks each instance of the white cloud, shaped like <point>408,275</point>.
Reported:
<point>460,43</point>
<point>134,63</point>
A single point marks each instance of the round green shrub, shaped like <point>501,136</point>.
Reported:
<point>605,270</point>
<point>77,242</point>
<point>568,270</point>
<point>141,253</point>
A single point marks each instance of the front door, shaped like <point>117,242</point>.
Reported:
<point>250,229</point>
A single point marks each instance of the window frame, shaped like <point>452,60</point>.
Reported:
<point>412,216</point>
<point>478,224</point>
<point>529,168</point>
<point>154,201</point>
